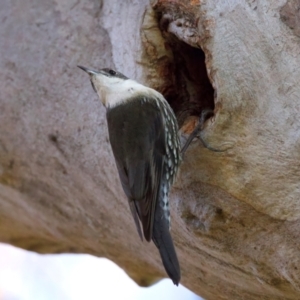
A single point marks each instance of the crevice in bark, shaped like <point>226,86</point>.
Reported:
<point>192,90</point>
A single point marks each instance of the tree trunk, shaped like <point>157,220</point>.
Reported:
<point>235,213</point>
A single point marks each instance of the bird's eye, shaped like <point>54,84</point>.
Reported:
<point>112,72</point>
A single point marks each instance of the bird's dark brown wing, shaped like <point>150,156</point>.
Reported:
<point>137,137</point>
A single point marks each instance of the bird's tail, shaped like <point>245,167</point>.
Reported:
<point>163,241</point>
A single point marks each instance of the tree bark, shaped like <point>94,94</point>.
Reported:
<point>235,214</point>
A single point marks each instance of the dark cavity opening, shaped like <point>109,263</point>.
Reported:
<point>192,91</point>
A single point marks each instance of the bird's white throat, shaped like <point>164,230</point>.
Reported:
<point>114,91</point>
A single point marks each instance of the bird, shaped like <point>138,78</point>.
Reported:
<point>143,133</point>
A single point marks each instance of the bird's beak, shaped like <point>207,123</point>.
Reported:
<point>89,71</point>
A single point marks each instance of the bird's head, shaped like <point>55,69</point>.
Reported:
<point>110,85</point>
